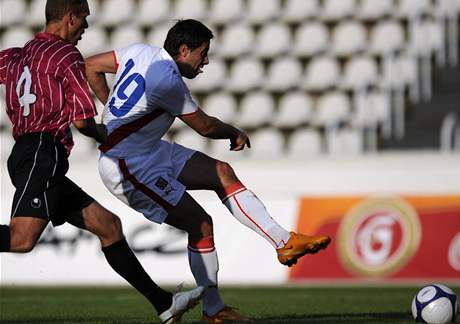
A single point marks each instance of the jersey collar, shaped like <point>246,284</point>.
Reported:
<point>169,58</point>
<point>48,36</point>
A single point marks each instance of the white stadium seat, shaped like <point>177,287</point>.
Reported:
<point>125,35</point>
<point>345,142</point>
<point>297,11</point>
<point>267,143</point>
<point>370,109</point>
<point>348,38</point>
<point>116,12</point>
<point>93,41</point>
<point>94,11</point>
<point>221,105</point>
<point>386,37</point>
<point>295,109</point>
<point>322,73</point>
<point>246,74</point>
<point>185,9</point>
<point>331,109</point>
<point>359,72</point>
<point>36,15</point>
<point>256,110</point>
<point>6,144</point>
<point>283,73</point>
<point>310,39</point>
<point>266,47</point>
<point>191,139</point>
<point>334,10</point>
<point>260,11</point>
<point>150,12</point>
<point>305,142</point>
<point>236,40</point>
<point>372,10</point>
<point>16,10</point>
<point>16,37</point>
<point>224,11</point>
<point>84,146</point>
<point>157,34</point>
<point>213,76</point>
<point>412,8</point>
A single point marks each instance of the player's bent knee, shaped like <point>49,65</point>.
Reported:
<point>112,229</point>
<point>226,173</point>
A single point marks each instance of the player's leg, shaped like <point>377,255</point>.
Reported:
<point>22,234</point>
<point>107,227</point>
<point>190,217</point>
<point>204,172</point>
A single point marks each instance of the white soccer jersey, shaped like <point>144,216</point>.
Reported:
<point>147,95</point>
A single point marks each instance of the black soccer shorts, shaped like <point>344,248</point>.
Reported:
<point>37,166</point>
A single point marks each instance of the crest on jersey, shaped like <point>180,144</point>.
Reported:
<point>378,236</point>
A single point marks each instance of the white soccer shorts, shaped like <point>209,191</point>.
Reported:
<point>148,182</point>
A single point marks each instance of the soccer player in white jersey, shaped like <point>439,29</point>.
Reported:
<point>152,175</point>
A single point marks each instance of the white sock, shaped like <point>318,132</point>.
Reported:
<point>250,211</point>
<point>205,265</point>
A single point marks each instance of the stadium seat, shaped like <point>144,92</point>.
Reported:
<point>191,139</point>
<point>359,72</point>
<point>322,73</point>
<point>372,10</point>
<point>386,37</point>
<point>409,9</point>
<point>236,40</point>
<point>331,109</point>
<point>297,11</point>
<point>125,35</point>
<point>245,74</point>
<point>16,37</point>
<point>220,149</point>
<point>344,142</point>
<point>221,105</point>
<point>283,73</point>
<point>116,12</point>
<point>267,143</point>
<point>150,12</point>
<point>348,38</point>
<point>295,109</point>
<point>93,41</point>
<point>6,144</point>
<point>304,142</point>
<point>266,47</point>
<point>84,146</point>
<point>213,77</point>
<point>256,110</point>
<point>334,10</point>
<point>370,109</point>
<point>185,9</point>
<point>157,35</point>
<point>260,11</point>
<point>224,11</point>
<point>15,10</point>
<point>310,38</point>
<point>36,14</point>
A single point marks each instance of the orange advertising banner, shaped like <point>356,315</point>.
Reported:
<point>382,238</point>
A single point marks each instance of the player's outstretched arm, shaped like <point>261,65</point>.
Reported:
<point>214,128</point>
<point>90,128</point>
<point>96,68</point>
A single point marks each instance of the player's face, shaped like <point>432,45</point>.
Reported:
<point>78,24</point>
<point>193,63</point>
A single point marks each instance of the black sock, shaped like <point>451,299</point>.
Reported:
<point>122,259</point>
<point>5,238</point>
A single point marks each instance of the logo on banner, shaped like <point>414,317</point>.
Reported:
<point>378,236</point>
<point>454,253</point>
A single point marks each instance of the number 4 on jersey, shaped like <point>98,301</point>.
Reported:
<point>27,97</point>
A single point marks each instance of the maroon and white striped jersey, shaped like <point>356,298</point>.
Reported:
<point>46,87</point>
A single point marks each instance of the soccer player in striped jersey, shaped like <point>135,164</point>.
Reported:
<point>152,175</point>
<point>46,92</point>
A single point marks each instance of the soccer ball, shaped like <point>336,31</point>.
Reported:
<point>435,304</point>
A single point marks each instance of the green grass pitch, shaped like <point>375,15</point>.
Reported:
<point>264,304</point>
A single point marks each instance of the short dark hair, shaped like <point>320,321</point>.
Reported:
<point>189,32</point>
<point>56,9</point>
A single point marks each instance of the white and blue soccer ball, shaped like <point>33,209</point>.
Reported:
<point>435,304</point>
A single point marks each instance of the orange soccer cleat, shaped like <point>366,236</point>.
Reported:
<point>226,314</point>
<point>299,245</point>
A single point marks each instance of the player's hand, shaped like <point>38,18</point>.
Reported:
<point>239,141</point>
